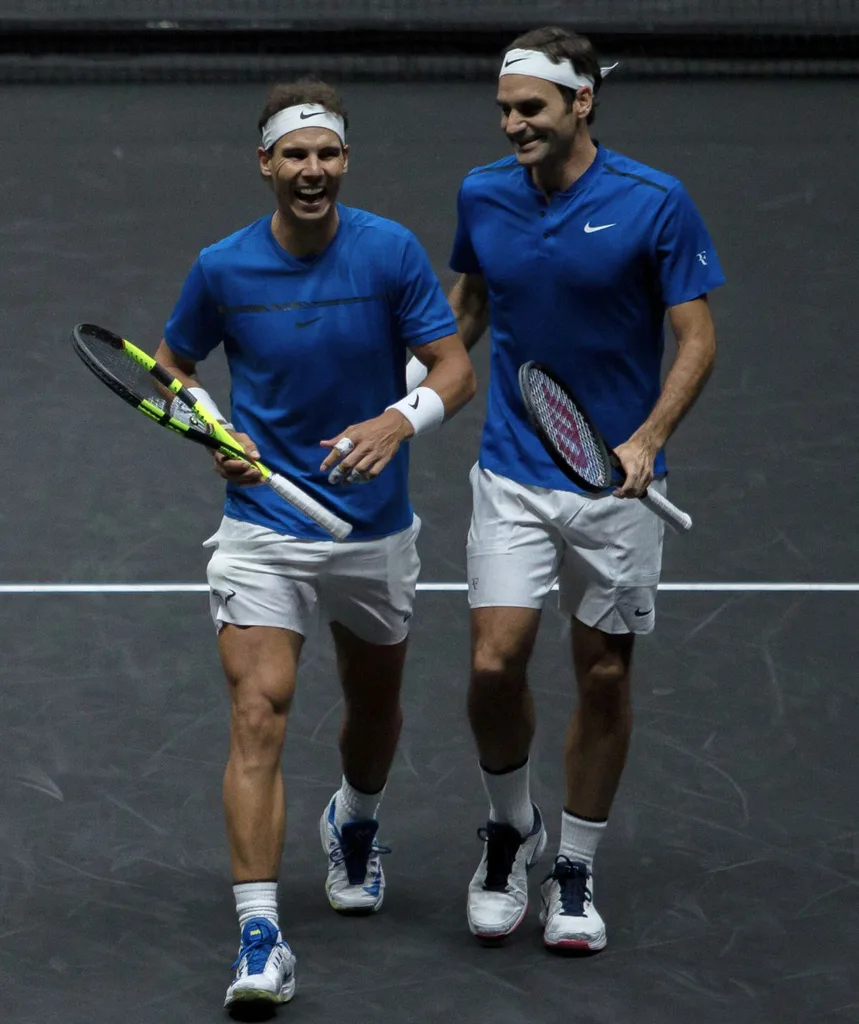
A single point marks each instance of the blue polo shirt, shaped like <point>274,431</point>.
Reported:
<point>580,283</point>
<point>313,345</point>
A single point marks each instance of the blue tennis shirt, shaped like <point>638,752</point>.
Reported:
<point>313,345</point>
<point>580,283</point>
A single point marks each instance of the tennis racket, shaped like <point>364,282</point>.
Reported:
<point>574,443</point>
<point>149,387</point>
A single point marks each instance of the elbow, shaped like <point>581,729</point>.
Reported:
<point>469,382</point>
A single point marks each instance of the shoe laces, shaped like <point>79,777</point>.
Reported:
<point>257,943</point>
<point>356,844</point>
<point>572,878</point>
<point>502,845</point>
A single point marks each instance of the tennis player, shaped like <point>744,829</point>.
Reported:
<point>315,306</point>
<point>572,254</point>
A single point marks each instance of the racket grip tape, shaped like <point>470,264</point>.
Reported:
<point>338,528</point>
<point>667,510</point>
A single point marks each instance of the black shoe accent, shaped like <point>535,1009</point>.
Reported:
<point>572,877</point>
<point>502,845</point>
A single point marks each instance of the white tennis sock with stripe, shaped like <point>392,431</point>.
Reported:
<point>351,804</point>
<point>256,899</point>
<point>510,797</point>
<point>580,838</point>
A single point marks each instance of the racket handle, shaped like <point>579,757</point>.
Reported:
<point>661,506</point>
<point>338,528</point>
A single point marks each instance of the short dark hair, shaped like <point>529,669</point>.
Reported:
<point>303,90</point>
<point>560,44</point>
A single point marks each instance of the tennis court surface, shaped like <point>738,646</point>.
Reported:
<point>729,878</point>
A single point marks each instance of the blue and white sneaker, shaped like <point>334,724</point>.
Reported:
<point>571,920</point>
<point>498,893</point>
<point>265,968</point>
<point>356,882</point>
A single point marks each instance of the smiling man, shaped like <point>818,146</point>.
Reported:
<point>316,305</point>
<point>572,254</point>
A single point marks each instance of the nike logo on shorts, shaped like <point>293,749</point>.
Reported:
<point>641,614</point>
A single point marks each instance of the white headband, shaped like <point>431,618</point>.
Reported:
<point>308,115</point>
<point>538,65</point>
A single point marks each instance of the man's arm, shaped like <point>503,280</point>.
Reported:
<point>469,300</point>
<point>185,370</point>
<point>181,367</point>
<point>451,377</point>
<point>695,333</point>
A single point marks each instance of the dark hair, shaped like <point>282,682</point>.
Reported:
<point>302,90</point>
<point>559,44</point>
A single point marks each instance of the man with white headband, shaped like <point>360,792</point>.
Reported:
<point>315,306</point>
<point>571,254</point>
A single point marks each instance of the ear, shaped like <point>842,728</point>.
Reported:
<point>584,102</point>
<point>345,159</point>
<point>264,162</point>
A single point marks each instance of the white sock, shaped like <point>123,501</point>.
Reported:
<point>351,804</point>
<point>510,797</point>
<point>580,838</point>
<point>256,899</point>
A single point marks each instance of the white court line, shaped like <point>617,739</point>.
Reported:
<point>445,588</point>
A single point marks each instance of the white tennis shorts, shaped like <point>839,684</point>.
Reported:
<point>605,553</point>
<point>260,578</point>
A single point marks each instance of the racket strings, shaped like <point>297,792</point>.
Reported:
<point>137,379</point>
<point>569,432</point>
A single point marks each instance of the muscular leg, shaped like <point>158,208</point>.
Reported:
<point>599,732</point>
<point>500,706</point>
<point>260,664</point>
<point>371,676</point>
<point>501,711</point>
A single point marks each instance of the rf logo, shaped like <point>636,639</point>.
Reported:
<point>701,257</point>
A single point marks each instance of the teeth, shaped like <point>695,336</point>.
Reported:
<point>310,193</point>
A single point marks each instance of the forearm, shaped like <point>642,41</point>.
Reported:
<point>452,378</point>
<point>685,381</point>
<point>469,302</point>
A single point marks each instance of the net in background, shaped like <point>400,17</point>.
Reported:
<point>256,40</point>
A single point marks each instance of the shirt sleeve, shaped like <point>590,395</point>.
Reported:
<point>463,259</point>
<point>195,326</point>
<point>422,311</point>
<point>688,266</point>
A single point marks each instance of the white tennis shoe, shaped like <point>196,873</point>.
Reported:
<point>265,968</point>
<point>356,881</point>
<point>571,920</point>
<point>498,893</point>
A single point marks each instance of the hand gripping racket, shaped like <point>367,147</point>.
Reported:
<point>152,389</point>
<point>574,443</point>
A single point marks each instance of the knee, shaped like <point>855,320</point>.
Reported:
<point>604,690</point>
<point>496,670</point>
<point>258,720</point>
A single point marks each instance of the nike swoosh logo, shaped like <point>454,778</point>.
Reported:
<point>304,116</point>
<point>414,404</point>
<point>599,227</point>
<point>514,61</point>
<point>307,323</point>
<point>641,614</point>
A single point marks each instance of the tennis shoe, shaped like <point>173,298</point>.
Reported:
<point>265,968</point>
<point>571,920</point>
<point>498,893</point>
<point>356,881</point>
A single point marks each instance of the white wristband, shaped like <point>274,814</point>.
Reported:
<point>416,373</point>
<point>423,408</point>
<point>208,403</point>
